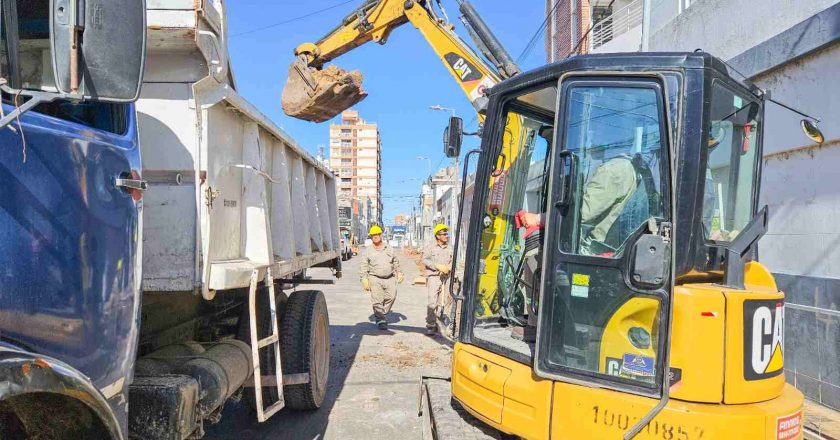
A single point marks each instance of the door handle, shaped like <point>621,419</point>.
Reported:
<point>568,180</point>
<point>131,184</point>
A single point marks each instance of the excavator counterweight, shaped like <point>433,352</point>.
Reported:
<point>317,95</point>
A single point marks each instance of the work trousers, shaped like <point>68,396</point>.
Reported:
<point>437,296</point>
<point>383,293</point>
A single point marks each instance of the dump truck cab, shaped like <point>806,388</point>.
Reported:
<point>645,312</point>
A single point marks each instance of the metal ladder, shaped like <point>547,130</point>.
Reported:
<point>257,344</point>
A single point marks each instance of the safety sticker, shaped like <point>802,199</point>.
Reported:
<point>637,365</point>
<point>789,427</point>
<point>580,285</point>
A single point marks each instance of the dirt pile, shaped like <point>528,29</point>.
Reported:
<point>319,95</point>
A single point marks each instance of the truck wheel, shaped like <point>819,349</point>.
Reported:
<point>306,348</point>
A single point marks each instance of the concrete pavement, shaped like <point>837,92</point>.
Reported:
<point>374,375</point>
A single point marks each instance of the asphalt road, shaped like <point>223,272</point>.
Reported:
<point>374,375</point>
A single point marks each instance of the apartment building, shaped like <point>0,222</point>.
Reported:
<point>355,153</point>
<point>568,21</point>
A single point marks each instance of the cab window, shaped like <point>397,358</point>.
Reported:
<point>505,303</point>
<point>730,175</point>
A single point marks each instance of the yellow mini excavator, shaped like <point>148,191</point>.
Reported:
<point>615,216</point>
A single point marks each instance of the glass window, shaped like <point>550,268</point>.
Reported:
<point>597,325</point>
<point>99,115</point>
<point>505,303</point>
<point>728,201</point>
<point>31,68</point>
<point>614,134</point>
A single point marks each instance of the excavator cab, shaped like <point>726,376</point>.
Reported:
<point>649,318</point>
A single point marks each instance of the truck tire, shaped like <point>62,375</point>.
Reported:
<point>306,348</point>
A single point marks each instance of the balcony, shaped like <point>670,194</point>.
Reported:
<point>621,31</point>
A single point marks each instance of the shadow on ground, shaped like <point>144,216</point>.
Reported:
<point>239,422</point>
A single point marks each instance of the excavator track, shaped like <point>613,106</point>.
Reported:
<point>446,419</point>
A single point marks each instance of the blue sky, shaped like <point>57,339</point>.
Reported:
<point>403,78</point>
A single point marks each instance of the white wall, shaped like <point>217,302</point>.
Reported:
<point>725,28</point>
<point>803,189</point>
<point>629,41</point>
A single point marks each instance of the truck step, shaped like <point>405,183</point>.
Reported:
<point>447,419</point>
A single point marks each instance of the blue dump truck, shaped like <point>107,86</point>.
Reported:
<point>69,215</point>
<point>139,295</point>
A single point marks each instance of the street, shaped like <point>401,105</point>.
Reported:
<point>374,374</point>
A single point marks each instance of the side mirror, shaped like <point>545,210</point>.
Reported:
<point>453,135</point>
<point>99,48</point>
<point>71,49</point>
<point>812,131</point>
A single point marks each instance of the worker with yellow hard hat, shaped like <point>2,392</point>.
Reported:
<point>437,258</point>
<point>380,272</point>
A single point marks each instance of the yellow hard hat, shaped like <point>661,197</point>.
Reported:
<point>375,230</point>
<point>440,227</point>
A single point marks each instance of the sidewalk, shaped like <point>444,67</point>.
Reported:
<point>374,374</point>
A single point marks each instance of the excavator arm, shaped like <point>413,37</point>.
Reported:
<point>317,93</point>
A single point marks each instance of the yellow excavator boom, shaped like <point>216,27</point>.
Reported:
<point>317,93</point>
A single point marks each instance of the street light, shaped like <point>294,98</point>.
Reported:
<point>442,108</point>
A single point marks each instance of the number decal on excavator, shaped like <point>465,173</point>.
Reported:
<point>656,428</point>
<point>764,323</point>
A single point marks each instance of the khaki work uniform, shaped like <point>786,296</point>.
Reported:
<point>604,197</point>
<point>437,284</point>
<point>380,267</point>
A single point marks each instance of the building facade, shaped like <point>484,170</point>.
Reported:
<point>568,21</point>
<point>355,153</point>
<point>793,51</point>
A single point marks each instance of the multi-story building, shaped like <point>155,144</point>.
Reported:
<point>355,154</point>
<point>401,219</point>
<point>791,49</point>
<point>568,21</point>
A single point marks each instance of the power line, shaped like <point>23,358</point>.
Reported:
<point>301,17</point>
<point>532,43</point>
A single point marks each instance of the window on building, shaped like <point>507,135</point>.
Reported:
<point>346,143</point>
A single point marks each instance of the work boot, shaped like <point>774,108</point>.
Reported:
<point>383,325</point>
<point>431,330</point>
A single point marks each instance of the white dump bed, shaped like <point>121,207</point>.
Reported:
<point>230,192</point>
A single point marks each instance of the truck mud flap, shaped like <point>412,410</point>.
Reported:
<point>445,419</point>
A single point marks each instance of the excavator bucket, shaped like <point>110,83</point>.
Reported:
<point>318,95</point>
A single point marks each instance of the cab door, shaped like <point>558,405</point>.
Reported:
<point>606,289</point>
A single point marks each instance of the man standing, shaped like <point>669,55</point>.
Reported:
<point>437,258</point>
<point>380,272</point>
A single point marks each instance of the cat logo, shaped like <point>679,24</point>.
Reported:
<point>764,329</point>
<point>463,69</point>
